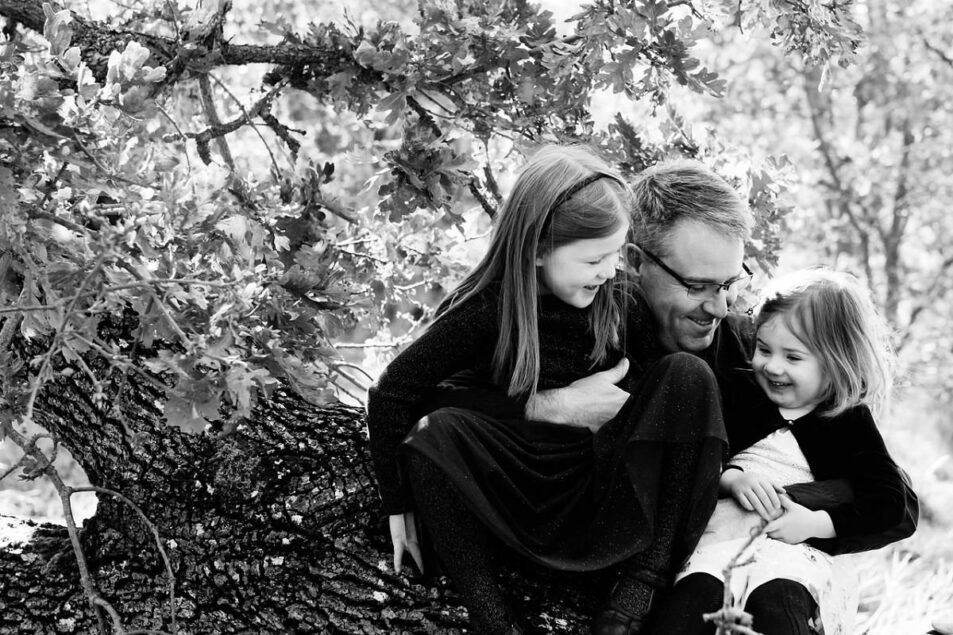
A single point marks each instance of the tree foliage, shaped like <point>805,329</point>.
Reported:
<point>124,188</point>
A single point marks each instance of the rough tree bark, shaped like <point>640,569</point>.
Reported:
<point>270,529</point>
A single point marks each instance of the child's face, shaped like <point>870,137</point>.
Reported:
<point>788,372</point>
<point>575,271</point>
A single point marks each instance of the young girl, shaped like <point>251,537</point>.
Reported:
<point>540,311</point>
<point>821,365</point>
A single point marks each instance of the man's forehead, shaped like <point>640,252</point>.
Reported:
<point>701,252</point>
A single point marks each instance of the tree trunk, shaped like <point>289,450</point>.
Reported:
<point>270,529</point>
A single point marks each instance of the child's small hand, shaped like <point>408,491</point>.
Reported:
<point>798,523</point>
<point>754,492</point>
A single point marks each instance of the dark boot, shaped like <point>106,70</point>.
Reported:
<point>630,601</point>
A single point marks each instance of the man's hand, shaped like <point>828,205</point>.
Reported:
<point>589,402</point>
<point>403,532</point>
<point>754,492</point>
<point>798,523</point>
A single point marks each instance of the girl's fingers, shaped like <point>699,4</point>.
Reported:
<point>743,501</point>
<point>772,496</point>
<point>757,505</point>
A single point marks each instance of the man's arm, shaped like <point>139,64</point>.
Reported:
<point>588,402</point>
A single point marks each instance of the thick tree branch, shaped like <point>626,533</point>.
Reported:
<point>96,40</point>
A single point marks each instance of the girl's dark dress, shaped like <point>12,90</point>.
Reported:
<point>558,494</point>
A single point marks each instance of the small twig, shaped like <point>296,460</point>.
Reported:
<point>338,365</point>
<point>425,116</point>
<point>14,467</point>
<point>9,329</point>
<point>175,23</point>
<point>51,186</point>
<point>491,183</point>
<point>478,195</point>
<point>63,490</point>
<point>142,283</point>
<point>97,384</point>
<point>155,534</point>
<point>358,398</point>
<point>205,88</point>
<point>939,52</point>
<point>381,345</point>
<point>283,132</point>
<point>123,365</point>
<point>360,255</point>
<point>731,619</point>
<point>221,85</point>
<point>159,303</point>
<point>188,161</point>
<point>68,224</point>
<point>335,208</point>
<point>218,130</point>
<point>102,167</point>
<point>113,614</point>
<point>57,338</point>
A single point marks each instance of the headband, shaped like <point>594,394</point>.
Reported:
<point>575,187</point>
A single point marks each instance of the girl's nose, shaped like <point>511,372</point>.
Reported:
<point>773,366</point>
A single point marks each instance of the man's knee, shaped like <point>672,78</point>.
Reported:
<point>686,367</point>
<point>439,419</point>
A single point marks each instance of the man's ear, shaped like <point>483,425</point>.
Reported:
<point>634,259</point>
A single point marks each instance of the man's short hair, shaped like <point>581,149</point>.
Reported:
<point>680,190</point>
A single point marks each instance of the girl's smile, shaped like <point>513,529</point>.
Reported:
<point>574,272</point>
<point>787,371</point>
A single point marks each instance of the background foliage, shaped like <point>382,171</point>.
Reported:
<point>281,193</point>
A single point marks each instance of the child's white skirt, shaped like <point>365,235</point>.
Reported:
<point>831,581</point>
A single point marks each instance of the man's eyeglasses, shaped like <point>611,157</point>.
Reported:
<point>705,290</point>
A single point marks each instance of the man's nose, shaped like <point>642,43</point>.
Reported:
<point>717,305</point>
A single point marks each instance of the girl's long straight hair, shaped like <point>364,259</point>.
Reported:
<point>536,218</point>
<point>834,316</point>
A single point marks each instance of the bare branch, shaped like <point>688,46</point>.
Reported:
<point>155,535</point>
<point>89,588</point>
<point>218,129</point>
<point>478,195</point>
<point>248,119</point>
<point>210,112</point>
<point>939,52</point>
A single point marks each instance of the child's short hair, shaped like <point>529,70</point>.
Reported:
<point>835,317</point>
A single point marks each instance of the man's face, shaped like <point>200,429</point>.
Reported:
<point>697,253</point>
